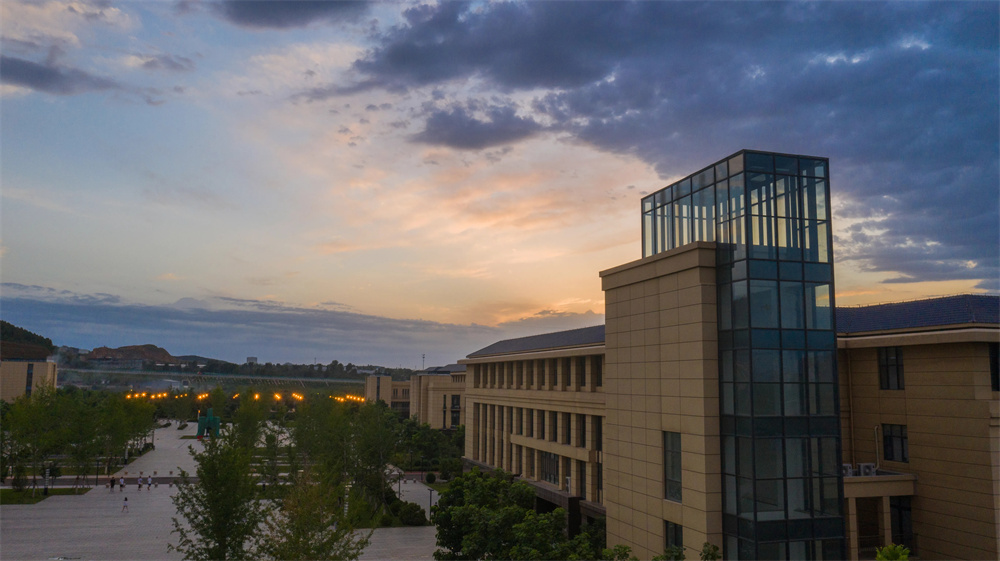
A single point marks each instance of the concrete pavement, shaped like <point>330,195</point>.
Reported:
<point>92,526</point>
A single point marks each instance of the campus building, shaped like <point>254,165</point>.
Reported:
<point>381,387</point>
<point>720,404</point>
<point>23,369</point>
<point>437,396</point>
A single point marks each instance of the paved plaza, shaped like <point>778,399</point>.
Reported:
<point>92,526</point>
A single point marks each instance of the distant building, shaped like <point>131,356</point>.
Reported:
<point>437,396</point>
<point>251,360</point>
<point>381,387</point>
<point>23,369</point>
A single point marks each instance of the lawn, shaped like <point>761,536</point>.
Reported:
<point>12,497</point>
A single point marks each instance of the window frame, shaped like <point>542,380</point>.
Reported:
<point>895,443</point>
<point>672,485</point>
<point>890,368</point>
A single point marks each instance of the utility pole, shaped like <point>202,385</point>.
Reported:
<point>422,356</point>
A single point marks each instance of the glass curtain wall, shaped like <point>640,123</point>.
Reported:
<point>769,215</point>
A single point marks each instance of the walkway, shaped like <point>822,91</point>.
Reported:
<point>92,526</point>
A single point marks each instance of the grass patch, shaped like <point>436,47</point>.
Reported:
<point>438,486</point>
<point>12,497</point>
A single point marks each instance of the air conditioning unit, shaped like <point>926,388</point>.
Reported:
<point>847,470</point>
<point>866,470</point>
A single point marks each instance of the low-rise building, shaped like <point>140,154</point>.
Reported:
<point>437,396</point>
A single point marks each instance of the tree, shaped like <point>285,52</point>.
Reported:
<point>35,431</point>
<point>311,524</point>
<point>490,516</point>
<point>892,552</point>
<point>220,507</point>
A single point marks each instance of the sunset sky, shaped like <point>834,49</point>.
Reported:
<point>373,182</point>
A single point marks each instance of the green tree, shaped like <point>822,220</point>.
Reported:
<point>311,524</point>
<point>34,431</point>
<point>490,516</point>
<point>220,510</point>
<point>892,552</point>
<point>374,440</point>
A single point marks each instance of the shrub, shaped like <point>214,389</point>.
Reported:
<point>431,478</point>
<point>411,514</point>
<point>892,552</point>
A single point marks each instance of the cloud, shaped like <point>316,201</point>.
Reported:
<point>268,14</point>
<point>456,128</point>
<point>901,96</point>
<point>172,63</point>
<point>51,79</point>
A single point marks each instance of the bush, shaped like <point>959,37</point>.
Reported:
<point>385,519</point>
<point>431,478</point>
<point>892,552</point>
<point>411,514</point>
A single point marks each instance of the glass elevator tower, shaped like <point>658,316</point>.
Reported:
<point>769,215</point>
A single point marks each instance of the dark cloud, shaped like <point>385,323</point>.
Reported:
<point>274,331</point>
<point>51,79</point>
<point>903,97</point>
<point>457,128</point>
<point>169,62</point>
<point>285,14</point>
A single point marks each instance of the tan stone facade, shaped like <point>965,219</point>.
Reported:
<point>395,394</point>
<point>14,377</point>
<point>438,400</point>
<point>951,416</point>
<point>540,415</point>
<point>662,376</point>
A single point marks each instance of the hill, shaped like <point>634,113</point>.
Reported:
<point>10,333</point>
<point>133,352</point>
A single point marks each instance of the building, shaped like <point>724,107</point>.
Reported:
<point>710,406</point>
<point>381,387</point>
<point>437,396</point>
<point>23,369</point>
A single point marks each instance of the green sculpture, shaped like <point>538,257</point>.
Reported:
<point>208,423</point>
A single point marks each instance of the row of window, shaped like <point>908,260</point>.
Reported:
<point>539,374</point>
<point>890,367</point>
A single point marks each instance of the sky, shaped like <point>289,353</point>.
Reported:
<point>404,183</point>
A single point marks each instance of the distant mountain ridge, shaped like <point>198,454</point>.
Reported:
<point>133,352</point>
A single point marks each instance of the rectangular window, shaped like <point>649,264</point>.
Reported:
<point>894,443</point>
<point>541,425</point>
<point>550,468</point>
<point>581,372</point>
<point>902,521</point>
<point>456,418</point>
<point>456,401</point>
<point>530,424</point>
<point>29,379</point>
<point>598,371</point>
<point>581,420</point>
<point>531,463</point>
<point>566,428</point>
<point>995,366</point>
<point>598,433</point>
<point>890,368</point>
<point>581,484</point>
<point>672,465</point>
<point>554,428</point>
<point>673,534</point>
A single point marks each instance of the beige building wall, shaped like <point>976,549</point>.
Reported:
<point>431,399</point>
<point>14,377</point>
<point>951,416</point>
<point>540,415</point>
<point>662,375</point>
<point>384,388</point>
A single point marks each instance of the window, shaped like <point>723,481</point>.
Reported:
<point>995,366</point>
<point>673,534</point>
<point>902,521</point>
<point>541,425</point>
<point>894,443</point>
<point>581,484</point>
<point>29,378</point>
<point>530,424</point>
<point>672,465</point>
<point>890,368</point>
<point>581,372</point>
<point>550,467</point>
<point>566,428</point>
<point>598,372</point>
<point>456,418</point>
<point>456,401</point>
<point>581,421</point>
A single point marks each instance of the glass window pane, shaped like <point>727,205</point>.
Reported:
<point>814,168</point>
<point>682,188</point>
<point>763,303</point>
<point>797,457</point>
<point>792,311</point>
<point>721,170</point>
<point>736,164</point>
<point>770,501</point>
<point>769,457</point>
<point>682,221</point>
<point>741,312</point>
<point>819,314</point>
<point>703,179</point>
<point>766,365</point>
<point>785,164</point>
<point>798,500</point>
<point>767,400</point>
<point>795,399</point>
<point>759,162</point>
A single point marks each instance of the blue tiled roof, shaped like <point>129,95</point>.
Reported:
<point>949,310</point>
<point>444,370</point>
<point>560,339</point>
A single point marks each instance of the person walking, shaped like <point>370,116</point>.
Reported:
<point>111,484</point>
<point>121,484</point>
<point>149,482</point>
<point>139,483</point>
<point>125,505</point>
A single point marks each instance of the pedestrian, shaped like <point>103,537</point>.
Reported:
<point>149,482</point>
<point>125,505</point>
<point>121,484</point>
<point>139,482</point>
<point>111,484</point>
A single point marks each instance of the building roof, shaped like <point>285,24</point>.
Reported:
<point>444,370</point>
<point>948,310</point>
<point>546,341</point>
